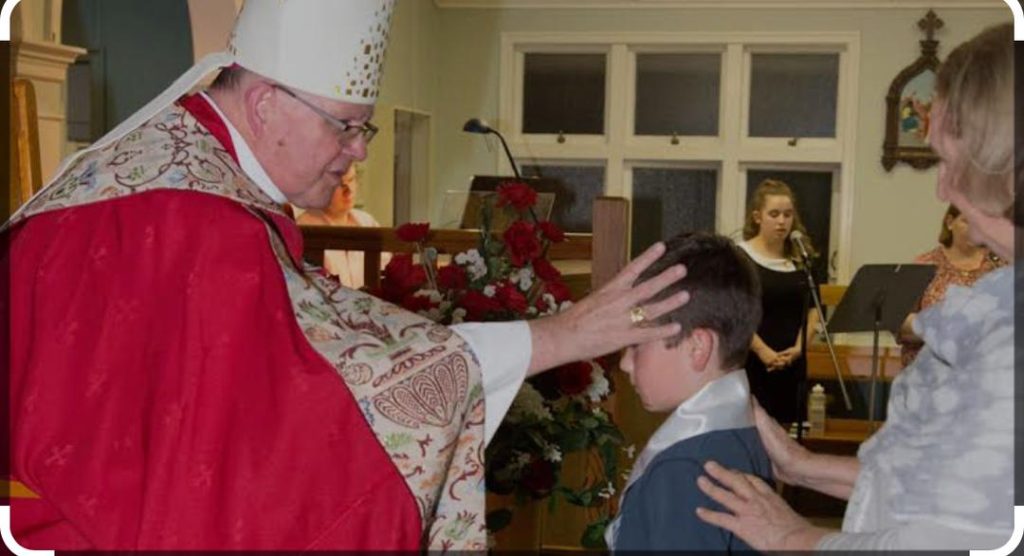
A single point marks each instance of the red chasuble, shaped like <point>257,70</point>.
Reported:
<point>163,395</point>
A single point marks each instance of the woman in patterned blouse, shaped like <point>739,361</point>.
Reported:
<point>958,261</point>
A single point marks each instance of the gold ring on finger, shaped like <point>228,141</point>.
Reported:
<point>637,315</point>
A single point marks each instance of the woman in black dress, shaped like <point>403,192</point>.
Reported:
<point>775,365</point>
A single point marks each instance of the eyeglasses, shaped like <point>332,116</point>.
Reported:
<point>347,132</point>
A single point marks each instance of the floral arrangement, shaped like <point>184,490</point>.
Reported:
<point>509,277</point>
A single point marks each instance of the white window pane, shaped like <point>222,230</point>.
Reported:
<point>793,95</point>
<point>677,94</point>
<point>564,93</point>
<point>667,201</point>
<point>813,192</point>
<point>577,187</point>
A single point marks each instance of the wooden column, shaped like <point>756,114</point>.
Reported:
<point>46,65</point>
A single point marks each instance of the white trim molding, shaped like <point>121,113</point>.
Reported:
<point>45,61</point>
<point>723,4</point>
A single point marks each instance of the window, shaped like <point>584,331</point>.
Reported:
<point>564,93</point>
<point>677,94</point>
<point>667,201</point>
<point>683,123</point>
<point>573,209</point>
<point>793,95</point>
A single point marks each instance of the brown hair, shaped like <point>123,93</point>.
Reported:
<point>945,234</point>
<point>725,294</point>
<point>757,200</point>
<point>975,87</point>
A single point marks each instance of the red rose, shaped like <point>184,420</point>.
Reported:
<point>521,242</point>
<point>477,305</point>
<point>539,478</point>
<point>559,290</point>
<point>551,231</point>
<point>401,277</point>
<point>517,194</point>
<point>513,300</point>
<point>545,270</point>
<point>573,378</point>
<point>415,303</point>
<point>412,232</point>
<point>452,277</point>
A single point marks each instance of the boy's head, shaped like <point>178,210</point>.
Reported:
<point>717,323</point>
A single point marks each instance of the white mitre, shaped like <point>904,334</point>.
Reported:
<point>331,48</point>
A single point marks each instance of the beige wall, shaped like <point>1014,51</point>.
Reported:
<point>211,22</point>
<point>410,82</point>
<point>895,215</point>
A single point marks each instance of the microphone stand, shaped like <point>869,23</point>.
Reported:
<point>812,285</point>
<point>508,153</point>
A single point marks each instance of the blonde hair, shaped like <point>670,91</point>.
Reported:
<point>757,200</point>
<point>975,87</point>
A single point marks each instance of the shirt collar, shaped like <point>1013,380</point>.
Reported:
<point>246,158</point>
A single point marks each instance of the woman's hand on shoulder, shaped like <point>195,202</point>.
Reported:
<point>787,456</point>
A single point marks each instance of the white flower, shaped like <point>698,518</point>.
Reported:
<point>564,306</point>
<point>531,311</point>
<point>473,262</point>
<point>598,388</point>
<point>608,491</point>
<point>630,451</point>
<point>433,295</point>
<point>522,277</point>
<point>468,257</point>
<point>490,290</point>
<point>550,300</point>
<point>598,412</point>
<point>458,315</point>
<point>528,404</point>
<point>552,453</point>
<point>477,270</point>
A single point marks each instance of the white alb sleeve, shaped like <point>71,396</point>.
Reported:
<point>503,350</point>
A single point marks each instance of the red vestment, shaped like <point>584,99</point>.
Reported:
<point>163,396</point>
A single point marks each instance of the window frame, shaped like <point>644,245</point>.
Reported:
<point>731,152</point>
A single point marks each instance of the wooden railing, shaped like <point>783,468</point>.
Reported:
<point>603,252</point>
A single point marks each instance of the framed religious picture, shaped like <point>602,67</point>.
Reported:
<point>909,103</point>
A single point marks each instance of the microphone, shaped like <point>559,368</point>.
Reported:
<point>797,237</point>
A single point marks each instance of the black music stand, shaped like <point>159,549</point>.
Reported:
<point>879,298</point>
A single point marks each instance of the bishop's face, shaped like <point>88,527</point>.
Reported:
<point>303,153</point>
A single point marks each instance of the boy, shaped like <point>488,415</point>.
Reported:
<point>698,376</point>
